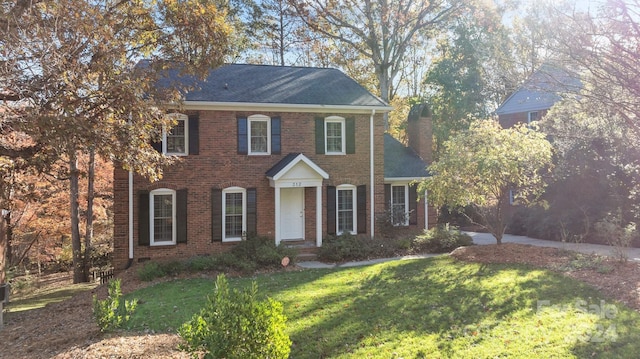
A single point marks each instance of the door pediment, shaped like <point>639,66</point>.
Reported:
<point>296,170</point>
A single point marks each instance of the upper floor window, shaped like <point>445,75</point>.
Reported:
<point>346,209</point>
<point>162,217</point>
<point>259,133</point>
<point>334,135</point>
<point>176,140</point>
<point>234,214</point>
<point>399,205</point>
<point>533,116</point>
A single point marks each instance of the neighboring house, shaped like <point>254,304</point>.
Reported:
<point>536,96</point>
<point>291,153</point>
<point>531,101</point>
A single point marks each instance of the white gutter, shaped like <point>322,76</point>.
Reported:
<point>130,215</point>
<point>403,179</point>
<point>371,163</point>
<point>280,107</point>
<point>130,212</point>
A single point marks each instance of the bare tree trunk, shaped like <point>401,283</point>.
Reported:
<point>281,34</point>
<point>88,237</point>
<point>385,89</point>
<point>3,248</point>
<point>76,245</point>
<point>9,230</point>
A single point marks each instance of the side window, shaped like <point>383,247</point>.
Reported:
<point>234,213</point>
<point>176,140</point>
<point>334,134</point>
<point>162,217</point>
<point>259,135</point>
<point>346,207</point>
<point>399,205</point>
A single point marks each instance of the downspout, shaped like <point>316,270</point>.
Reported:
<point>130,262</point>
<point>372,185</point>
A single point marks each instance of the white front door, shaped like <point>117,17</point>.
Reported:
<point>291,213</point>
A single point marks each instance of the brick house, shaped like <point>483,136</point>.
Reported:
<point>533,99</point>
<point>291,153</point>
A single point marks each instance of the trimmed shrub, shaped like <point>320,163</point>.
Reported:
<point>201,263</point>
<point>113,312</point>
<point>261,251</point>
<point>235,324</point>
<point>150,271</point>
<point>347,247</point>
<point>441,239</point>
<point>247,256</point>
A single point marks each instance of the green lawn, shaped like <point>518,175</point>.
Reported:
<point>425,308</point>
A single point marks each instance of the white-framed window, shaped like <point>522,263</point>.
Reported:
<point>162,217</point>
<point>400,205</point>
<point>346,209</point>
<point>259,133</point>
<point>532,116</point>
<point>234,213</point>
<point>334,135</point>
<point>175,142</point>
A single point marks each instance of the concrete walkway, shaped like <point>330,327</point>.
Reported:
<point>486,238</point>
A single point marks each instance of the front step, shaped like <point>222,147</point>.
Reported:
<point>306,250</point>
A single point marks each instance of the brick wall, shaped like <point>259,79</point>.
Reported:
<point>219,166</point>
<point>420,133</point>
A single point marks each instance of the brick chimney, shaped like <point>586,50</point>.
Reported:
<point>419,132</point>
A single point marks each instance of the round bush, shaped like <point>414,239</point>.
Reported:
<point>235,324</point>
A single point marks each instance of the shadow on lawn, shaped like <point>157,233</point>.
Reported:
<point>436,298</point>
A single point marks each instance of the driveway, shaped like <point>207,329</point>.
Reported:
<point>587,248</point>
<point>486,238</point>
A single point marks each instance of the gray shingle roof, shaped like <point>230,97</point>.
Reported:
<point>266,84</point>
<point>540,92</point>
<point>401,161</point>
<point>281,164</point>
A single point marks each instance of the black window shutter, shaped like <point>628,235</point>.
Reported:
<point>252,218</point>
<point>157,146</point>
<point>387,198</point>
<point>243,142</point>
<point>362,208</point>
<point>276,137</point>
<point>331,210</point>
<point>216,215</point>
<point>194,135</point>
<point>319,135</point>
<point>350,129</point>
<point>413,204</point>
<point>143,218</point>
<point>181,215</point>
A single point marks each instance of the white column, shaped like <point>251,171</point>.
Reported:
<point>277,227</point>
<point>426,210</point>
<point>131,215</point>
<point>372,184</point>
<point>319,216</point>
